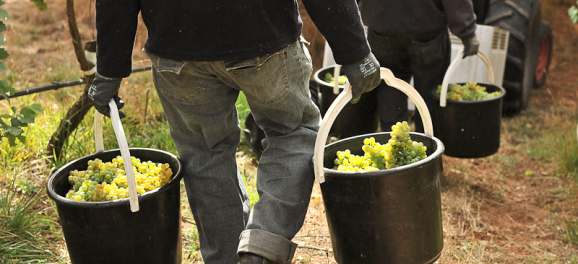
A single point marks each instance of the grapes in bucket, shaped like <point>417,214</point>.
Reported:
<point>398,151</point>
<point>106,181</point>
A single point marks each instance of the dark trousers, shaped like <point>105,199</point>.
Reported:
<point>425,57</point>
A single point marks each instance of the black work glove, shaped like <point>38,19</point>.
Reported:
<point>102,90</point>
<point>363,76</point>
<point>471,46</point>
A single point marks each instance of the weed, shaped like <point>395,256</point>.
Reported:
<point>470,251</point>
<point>22,225</point>
<point>571,232</point>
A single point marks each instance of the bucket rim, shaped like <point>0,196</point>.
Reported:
<point>499,97</point>
<point>321,81</point>
<point>369,174</point>
<point>177,176</point>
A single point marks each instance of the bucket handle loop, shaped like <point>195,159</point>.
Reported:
<point>344,98</point>
<point>336,72</point>
<point>453,67</point>
<point>124,150</point>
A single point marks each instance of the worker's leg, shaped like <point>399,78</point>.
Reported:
<point>277,89</point>
<point>203,120</point>
<point>391,52</point>
<point>430,59</point>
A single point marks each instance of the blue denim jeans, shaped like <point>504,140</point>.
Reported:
<point>198,99</point>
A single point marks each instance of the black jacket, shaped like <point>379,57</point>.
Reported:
<point>211,30</point>
<point>414,17</point>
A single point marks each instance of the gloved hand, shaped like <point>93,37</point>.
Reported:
<point>102,90</point>
<point>471,46</point>
<point>363,75</point>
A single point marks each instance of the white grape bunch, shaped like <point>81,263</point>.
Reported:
<point>330,79</point>
<point>106,181</point>
<point>398,151</point>
<point>467,92</point>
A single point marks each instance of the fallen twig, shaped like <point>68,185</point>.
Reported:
<point>317,248</point>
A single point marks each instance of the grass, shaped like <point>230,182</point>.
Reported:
<point>470,252</point>
<point>24,224</point>
<point>149,131</point>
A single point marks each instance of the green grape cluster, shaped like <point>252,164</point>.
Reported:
<point>329,79</point>
<point>398,151</point>
<point>106,181</point>
<point>467,92</point>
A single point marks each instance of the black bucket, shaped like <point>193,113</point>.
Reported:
<point>387,216</point>
<point>108,232</point>
<point>355,119</point>
<point>470,129</point>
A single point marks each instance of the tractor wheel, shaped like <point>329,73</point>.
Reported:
<point>522,19</point>
<point>544,54</point>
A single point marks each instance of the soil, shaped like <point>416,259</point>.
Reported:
<point>494,210</point>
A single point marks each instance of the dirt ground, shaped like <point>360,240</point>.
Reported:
<point>492,211</point>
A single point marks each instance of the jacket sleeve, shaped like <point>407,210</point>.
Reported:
<point>116,25</point>
<point>340,23</point>
<point>461,17</point>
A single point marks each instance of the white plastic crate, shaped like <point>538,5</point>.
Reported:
<point>493,43</point>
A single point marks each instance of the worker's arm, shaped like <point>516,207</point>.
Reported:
<point>116,25</point>
<point>340,23</point>
<point>462,23</point>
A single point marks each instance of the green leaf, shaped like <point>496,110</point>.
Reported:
<point>15,131</point>
<point>40,4</point>
<point>28,111</point>
<point>6,88</point>
<point>3,14</point>
<point>17,123</point>
<point>37,108</point>
<point>2,66</point>
<point>5,116</point>
<point>2,39</point>
<point>11,140</point>
<point>573,13</point>
<point>3,53</point>
<point>2,26</point>
<point>27,119</point>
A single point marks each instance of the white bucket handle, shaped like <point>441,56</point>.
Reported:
<point>124,151</point>
<point>336,74</point>
<point>344,98</point>
<point>453,67</point>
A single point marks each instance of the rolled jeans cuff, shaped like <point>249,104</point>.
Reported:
<point>268,245</point>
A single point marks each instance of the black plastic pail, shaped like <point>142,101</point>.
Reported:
<point>355,119</point>
<point>387,216</point>
<point>470,129</point>
<point>108,232</point>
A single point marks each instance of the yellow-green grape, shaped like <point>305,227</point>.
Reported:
<point>398,151</point>
<point>106,181</point>
<point>467,92</point>
<point>340,80</point>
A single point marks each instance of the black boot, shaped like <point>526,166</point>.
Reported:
<point>250,258</point>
